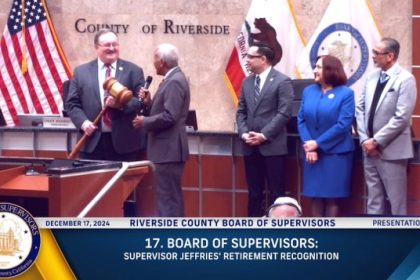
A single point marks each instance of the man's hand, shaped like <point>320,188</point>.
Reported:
<point>145,96</point>
<point>88,128</point>
<point>112,103</point>
<point>253,138</point>
<point>370,147</point>
<point>138,121</point>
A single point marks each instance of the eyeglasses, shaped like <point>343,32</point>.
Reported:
<point>108,45</point>
<point>376,53</point>
<point>250,56</point>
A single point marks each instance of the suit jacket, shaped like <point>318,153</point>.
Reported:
<point>84,103</point>
<point>327,119</point>
<point>269,115</point>
<point>391,124</point>
<point>168,140</point>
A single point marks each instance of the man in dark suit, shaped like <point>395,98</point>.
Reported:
<point>265,106</point>
<point>168,144</point>
<point>383,115</point>
<point>114,138</point>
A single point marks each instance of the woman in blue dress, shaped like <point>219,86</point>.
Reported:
<point>324,123</point>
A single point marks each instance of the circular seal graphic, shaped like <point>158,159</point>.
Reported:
<point>346,43</point>
<point>19,240</point>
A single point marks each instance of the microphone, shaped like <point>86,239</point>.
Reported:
<point>149,80</point>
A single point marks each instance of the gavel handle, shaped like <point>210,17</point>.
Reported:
<point>85,137</point>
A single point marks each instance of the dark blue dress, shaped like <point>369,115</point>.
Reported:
<point>327,119</point>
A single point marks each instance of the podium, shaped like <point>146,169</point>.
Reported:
<point>67,188</point>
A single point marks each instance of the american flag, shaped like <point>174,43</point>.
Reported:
<point>32,65</point>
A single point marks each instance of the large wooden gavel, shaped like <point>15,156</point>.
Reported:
<point>121,93</point>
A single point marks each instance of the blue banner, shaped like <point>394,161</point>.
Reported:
<point>241,253</point>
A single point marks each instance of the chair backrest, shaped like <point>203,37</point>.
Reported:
<point>66,87</point>
<point>191,121</point>
<point>2,120</point>
<point>298,87</point>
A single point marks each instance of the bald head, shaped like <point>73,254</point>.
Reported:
<point>285,207</point>
<point>283,211</point>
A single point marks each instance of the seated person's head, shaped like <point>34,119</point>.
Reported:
<point>284,207</point>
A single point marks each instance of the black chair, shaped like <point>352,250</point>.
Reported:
<point>191,121</point>
<point>298,87</point>
<point>2,120</point>
<point>66,87</point>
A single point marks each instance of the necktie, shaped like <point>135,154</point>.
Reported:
<point>107,75</point>
<point>383,78</point>
<point>257,88</point>
<point>106,118</point>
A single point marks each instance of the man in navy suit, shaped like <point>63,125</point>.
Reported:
<point>264,108</point>
<point>383,115</point>
<point>168,143</point>
<point>114,139</point>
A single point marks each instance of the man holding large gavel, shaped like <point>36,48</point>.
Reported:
<point>113,137</point>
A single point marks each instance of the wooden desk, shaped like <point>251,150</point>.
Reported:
<point>68,188</point>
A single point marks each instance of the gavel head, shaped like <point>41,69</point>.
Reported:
<point>121,93</point>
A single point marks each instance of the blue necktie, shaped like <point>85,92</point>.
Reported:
<point>257,88</point>
<point>383,78</point>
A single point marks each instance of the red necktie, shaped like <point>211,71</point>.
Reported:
<point>106,118</point>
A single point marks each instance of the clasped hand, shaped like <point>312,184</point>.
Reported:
<point>370,148</point>
<point>310,148</point>
<point>311,157</point>
<point>253,138</point>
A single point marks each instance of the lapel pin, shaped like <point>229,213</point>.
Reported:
<point>120,68</point>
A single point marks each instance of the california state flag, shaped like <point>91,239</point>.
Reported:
<point>348,31</point>
<point>272,22</point>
